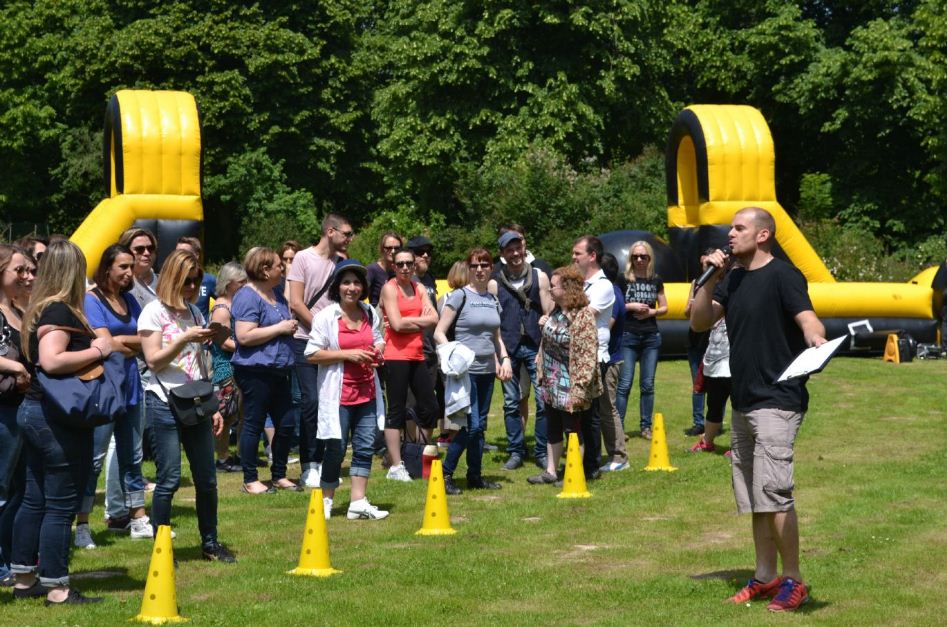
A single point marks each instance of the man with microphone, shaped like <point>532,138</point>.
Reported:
<point>769,321</point>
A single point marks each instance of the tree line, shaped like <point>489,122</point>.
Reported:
<point>452,116</point>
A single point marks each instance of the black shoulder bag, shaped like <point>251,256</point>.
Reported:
<point>194,401</point>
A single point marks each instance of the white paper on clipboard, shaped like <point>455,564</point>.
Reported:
<point>811,360</point>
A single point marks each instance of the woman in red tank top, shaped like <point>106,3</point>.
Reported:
<point>408,311</point>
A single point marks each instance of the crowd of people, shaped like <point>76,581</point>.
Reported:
<point>307,347</point>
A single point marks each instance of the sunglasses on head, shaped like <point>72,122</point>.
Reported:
<point>140,250</point>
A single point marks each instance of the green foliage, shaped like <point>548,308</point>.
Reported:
<point>453,117</point>
<point>406,223</point>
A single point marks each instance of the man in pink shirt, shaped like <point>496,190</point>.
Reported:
<point>309,278</point>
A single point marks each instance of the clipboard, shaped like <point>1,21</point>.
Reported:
<point>812,360</point>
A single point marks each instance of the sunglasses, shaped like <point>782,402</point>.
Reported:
<point>484,265</point>
<point>391,249</point>
<point>424,252</point>
<point>641,257</point>
<point>404,264</point>
<point>140,250</point>
<point>288,260</point>
<point>193,281</point>
<point>345,234</point>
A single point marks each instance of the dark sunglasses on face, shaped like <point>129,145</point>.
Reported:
<point>484,265</point>
<point>404,264</point>
<point>140,250</point>
<point>640,257</point>
<point>288,260</point>
<point>391,249</point>
<point>193,281</point>
<point>424,252</point>
<point>345,234</point>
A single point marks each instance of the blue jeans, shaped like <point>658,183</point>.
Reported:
<point>471,436</point>
<point>311,448</point>
<point>12,480</point>
<point>637,347</point>
<point>694,357</point>
<point>265,391</point>
<point>167,437</point>
<point>359,421</point>
<point>525,354</point>
<point>58,463</point>
<point>127,430</point>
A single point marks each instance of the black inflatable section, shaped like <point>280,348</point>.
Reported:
<point>687,123</point>
<point>168,232</point>
<point>674,334</point>
<point>666,262</point>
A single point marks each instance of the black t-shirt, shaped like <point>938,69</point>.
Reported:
<point>430,346</point>
<point>642,291</point>
<point>760,309</point>
<point>377,277</point>
<point>59,315</point>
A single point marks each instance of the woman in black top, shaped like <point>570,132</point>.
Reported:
<point>383,269</point>
<point>641,341</point>
<point>17,270</point>
<point>58,457</point>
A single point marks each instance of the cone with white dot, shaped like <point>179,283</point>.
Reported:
<point>314,555</point>
<point>160,603</point>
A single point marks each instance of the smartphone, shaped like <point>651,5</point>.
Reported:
<point>220,331</point>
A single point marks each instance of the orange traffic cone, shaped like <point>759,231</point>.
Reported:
<point>658,458</point>
<point>436,518</point>
<point>573,483</point>
<point>314,555</point>
<point>160,603</point>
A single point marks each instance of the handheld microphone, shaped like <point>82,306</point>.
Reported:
<point>710,271</point>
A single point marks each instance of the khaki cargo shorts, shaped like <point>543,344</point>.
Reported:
<point>762,455</point>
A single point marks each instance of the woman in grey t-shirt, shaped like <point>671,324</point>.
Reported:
<point>473,316</point>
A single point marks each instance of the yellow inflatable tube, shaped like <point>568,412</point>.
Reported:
<point>153,171</point>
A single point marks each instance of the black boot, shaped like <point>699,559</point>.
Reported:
<point>449,486</point>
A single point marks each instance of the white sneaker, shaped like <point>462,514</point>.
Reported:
<point>398,473</point>
<point>614,466</point>
<point>84,536</point>
<point>362,509</point>
<point>141,529</point>
<point>327,506</point>
<point>312,476</point>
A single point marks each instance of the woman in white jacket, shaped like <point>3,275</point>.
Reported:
<point>347,344</point>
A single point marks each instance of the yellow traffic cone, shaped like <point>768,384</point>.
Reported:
<point>658,458</point>
<point>160,603</point>
<point>314,555</point>
<point>573,484</point>
<point>436,518</point>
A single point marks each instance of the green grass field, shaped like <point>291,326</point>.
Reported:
<point>647,548</point>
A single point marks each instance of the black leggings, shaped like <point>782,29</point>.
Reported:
<point>402,375</point>
<point>558,420</point>
<point>717,390</point>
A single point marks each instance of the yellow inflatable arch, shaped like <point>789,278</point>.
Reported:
<point>152,168</point>
<point>720,159</point>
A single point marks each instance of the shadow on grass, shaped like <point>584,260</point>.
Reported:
<point>108,579</point>
<point>741,575</point>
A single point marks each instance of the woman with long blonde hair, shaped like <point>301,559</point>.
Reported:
<point>172,338</point>
<point>641,341</point>
<point>56,338</point>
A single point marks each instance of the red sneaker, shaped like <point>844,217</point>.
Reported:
<point>703,447</point>
<point>756,588</point>
<point>792,595</point>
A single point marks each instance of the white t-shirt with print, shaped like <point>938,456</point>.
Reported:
<point>184,367</point>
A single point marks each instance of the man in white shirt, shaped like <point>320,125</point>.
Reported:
<point>586,255</point>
